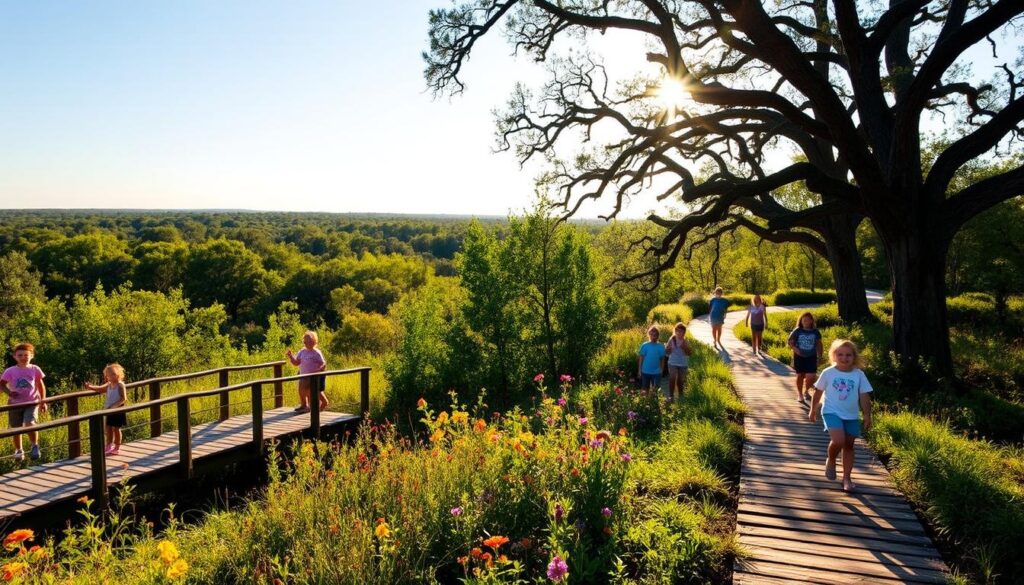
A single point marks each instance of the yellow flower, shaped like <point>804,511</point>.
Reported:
<point>460,418</point>
<point>437,436</point>
<point>168,551</point>
<point>12,570</point>
<point>178,569</point>
<point>382,530</point>
<point>442,418</point>
<point>526,437</point>
<point>17,537</point>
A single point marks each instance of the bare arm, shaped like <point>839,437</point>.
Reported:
<point>865,407</point>
<point>41,387</point>
<point>813,414</point>
<point>121,396</point>
<point>292,357</point>
<point>96,387</point>
<point>686,346</point>
<point>4,388</point>
<point>819,349</point>
<point>639,365</point>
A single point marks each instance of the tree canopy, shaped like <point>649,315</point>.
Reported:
<point>747,98</point>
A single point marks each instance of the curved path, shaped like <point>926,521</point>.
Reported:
<point>795,525</point>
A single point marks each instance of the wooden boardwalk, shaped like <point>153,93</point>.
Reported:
<point>40,486</point>
<point>795,525</point>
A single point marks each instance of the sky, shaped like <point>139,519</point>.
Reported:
<point>304,106</point>
<point>308,105</point>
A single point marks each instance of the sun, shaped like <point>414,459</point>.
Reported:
<point>671,94</point>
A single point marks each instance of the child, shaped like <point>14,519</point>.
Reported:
<point>757,319</point>
<point>846,388</point>
<point>116,398</point>
<point>805,341</point>
<point>309,360</point>
<point>23,383</point>
<point>718,308</point>
<point>648,364</point>
<point>678,350</point>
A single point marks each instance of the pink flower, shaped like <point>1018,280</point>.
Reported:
<point>583,421</point>
<point>539,378</point>
<point>606,512</point>
<point>557,569</point>
<point>456,511</point>
<point>626,457</point>
<point>562,402</point>
<point>565,378</point>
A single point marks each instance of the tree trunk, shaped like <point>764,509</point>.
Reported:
<point>917,269</point>
<point>840,235</point>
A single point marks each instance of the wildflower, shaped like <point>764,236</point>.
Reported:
<point>460,418</point>
<point>622,431</point>
<point>631,415</point>
<point>562,402</point>
<point>168,552</point>
<point>557,569</point>
<point>477,552</point>
<point>456,511</point>
<point>12,570</point>
<point>565,378</point>
<point>479,425</point>
<point>539,378</point>
<point>559,512</point>
<point>581,524</point>
<point>604,435</point>
<point>442,418</point>
<point>382,530</point>
<point>618,391</point>
<point>421,403</point>
<point>626,457</point>
<point>17,537</point>
<point>526,542</point>
<point>583,421</point>
<point>606,512</point>
<point>495,542</point>
<point>486,558</point>
<point>37,553</point>
<point>84,500</point>
<point>436,436</point>
<point>178,569</point>
<point>462,560</point>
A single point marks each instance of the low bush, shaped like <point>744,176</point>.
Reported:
<point>670,314</point>
<point>801,296</point>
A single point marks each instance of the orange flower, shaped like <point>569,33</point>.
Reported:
<point>18,536</point>
<point>479,425</point>
<point>382,530</point>
<point>437,436</point>
<point>421,403</point>
<point>463,560</point>
<point>622,432</point>
<point>526,542</point>
<point>12,570</point>
<point>495,541</point>
<point>476,552</point>
<point>442,418</point>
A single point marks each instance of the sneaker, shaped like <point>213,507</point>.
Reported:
<point>34,453</point>
<point>19,455</point>
<point>302,410</point>
<point>113,452</point>
<point>108,450</point>
<point>298,408</point>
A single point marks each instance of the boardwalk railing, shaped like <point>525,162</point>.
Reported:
<point>182,402</point>
<point>71,400</point>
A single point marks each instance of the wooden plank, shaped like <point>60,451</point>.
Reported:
<point>845,566</point>
<point>813,539</point>
<point>843,552</point>
<point>851,532</point>
<point>755,470</point>
<point>844,518</point>
<point>750,485</point>
<point>822,484</point>
<point>849,506</point>
<point>805,575</point>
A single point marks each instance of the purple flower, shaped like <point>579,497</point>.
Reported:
<point>583,421</point>
<point>557,569</point>
<point>562,402</point>
<point>581,524</point>
<point>596,444</point>
<point>559,512</point>
<point>626,457</point>
<point>457,511</point>
<point>606,512</point>
<point>631,415</point>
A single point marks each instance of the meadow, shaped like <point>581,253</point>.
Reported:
<point>955,449</point>
<point>596,482</point>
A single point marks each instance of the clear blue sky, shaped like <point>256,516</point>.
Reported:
<point>307,105</point>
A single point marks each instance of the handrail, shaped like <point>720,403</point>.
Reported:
<point>97,457</point>
<point>60,422</point>
<point>150,381</point>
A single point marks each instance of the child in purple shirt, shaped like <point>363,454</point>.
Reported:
<point>23,384</point>
<point>309,360</point>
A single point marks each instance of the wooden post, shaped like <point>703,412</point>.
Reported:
<point>225,398</point>
<point>257,418</point>
<point>98,461</point>
<point>278,386</point>
<point>314,407</point>
<point>185,436</point>
<point>74,430</point>
<point>154,411</point>
<point>364,393</point>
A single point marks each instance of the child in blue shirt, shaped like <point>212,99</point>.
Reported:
<point>649,362</point>
<point>718,307</point>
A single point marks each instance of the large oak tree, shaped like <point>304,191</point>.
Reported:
<point>835,96</point>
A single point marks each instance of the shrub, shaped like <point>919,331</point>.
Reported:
<point>802,296</point>
<point>618,358</point>
<point>670,314</point>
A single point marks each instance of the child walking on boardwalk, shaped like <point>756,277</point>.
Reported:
<point>649,360</point>
<point>117,395</point>
<point>846,391</point>
<point>757,318</point>
<point>805,341</point>
<point>309,360</point>
<point>718,305</point>
<point>23,384</point>
<point>678,351</point>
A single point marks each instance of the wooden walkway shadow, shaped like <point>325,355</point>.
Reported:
<point>794,524</point>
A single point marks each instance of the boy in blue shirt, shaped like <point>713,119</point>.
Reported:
<point>649,360</point>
